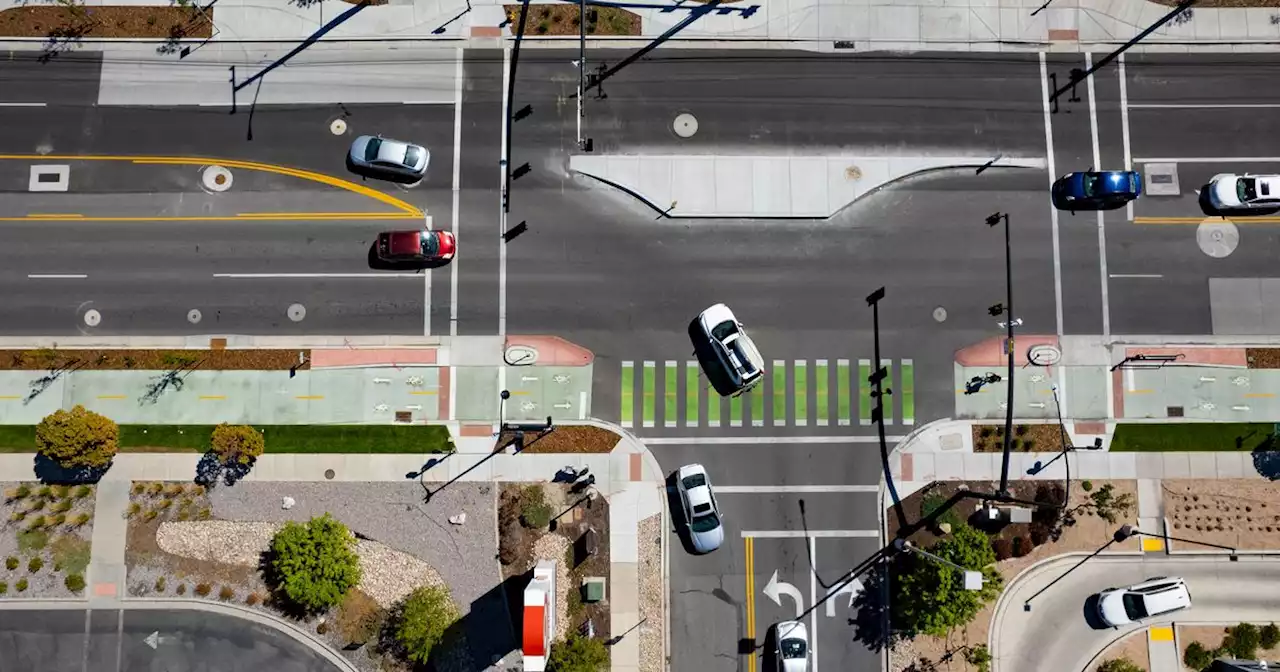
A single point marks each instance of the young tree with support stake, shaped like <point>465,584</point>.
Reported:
<point>930,598</point>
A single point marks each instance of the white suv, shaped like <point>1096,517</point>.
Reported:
<point>727,355</point>
<point>1153,597</point>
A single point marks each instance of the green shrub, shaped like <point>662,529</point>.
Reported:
<point>203,589</point>
<point>315,564</point>
<point>226,593</point>
<point>11,563</point>
<point>979,657</point>
<point>4,587</point>
<point>74,583</point>
<point>578,654</point>
<point>1087,486</point>
<point>61,507</point>
<point>21,585</point>
<point>181,589</point>
<point>82,491</point>
<point>1119,665</point>
<point>1196,656</point>
<point>236,444</point>
<point>1269,636</point>
<point>32,541</point>
<point>1243,640</point>
<point>35,564</point>
<point>422,620</point>
<point>160,584</point>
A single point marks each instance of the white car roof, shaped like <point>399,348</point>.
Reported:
<point>717,314</point>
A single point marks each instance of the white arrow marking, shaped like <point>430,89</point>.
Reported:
<point>153,639</point>
<point>415,407</point>
<point>382,381</point>
<point>777,588</point>
<point>853,588</point>
<point>565,405</point>
<point>528,379</point>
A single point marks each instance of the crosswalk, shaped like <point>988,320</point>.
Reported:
<point>795,393</point>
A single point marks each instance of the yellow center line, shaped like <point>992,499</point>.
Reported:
<point>9,397</point>
<point>112,396</point>
<point>1197,220</point>
<point>55,214</point>
<point>312,176</point>
<point>212,396</point>
<point>310,396</point>
<point>751,601</point>
<point>1259,395</point>
<point>422,392</point>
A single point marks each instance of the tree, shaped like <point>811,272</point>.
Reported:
<point>238,444</point>
<point>578,654</point>
<point>423,618</point>
<point>1119,665</point>
<point>1195,657</point>
<point>929,597</point>
<point>1269,636</point>
<point>980,658</point>
<point>315,564</point>
<point>1107,504</point>
<point>78,439</point>
<point>1242,641</point>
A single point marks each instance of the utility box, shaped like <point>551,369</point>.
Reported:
<point>593,589</point>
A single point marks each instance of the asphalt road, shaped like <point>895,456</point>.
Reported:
<point>108,640</point>
<point>1060,631</point>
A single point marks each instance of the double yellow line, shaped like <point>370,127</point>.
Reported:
<point>751,600</point>
<point>1197,220</point>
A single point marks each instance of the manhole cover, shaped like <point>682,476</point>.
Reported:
<point>329,474</point>
<point>685,125</point>
<point>940,314</point>
<point>296,312</point>
<point>92,317</point>
<point>1217,238</point>
<point>193,316</point>
<point>338,127</point>
<point>216,178</point>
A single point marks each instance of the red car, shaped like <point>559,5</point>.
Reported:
<point>422,246</point>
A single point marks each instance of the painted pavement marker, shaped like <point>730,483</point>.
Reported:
<point>650,389</point>
<point>800,381</point>
<point>628,393</point>
<point>821,381</point>
<point>779,393</point>
<point>864,392</point>
<point>669,412</point>
<point>908,392</point>
<point>690,394</point>
<point>887,365</point>
<point>735,410</point>
<point>843,408</point>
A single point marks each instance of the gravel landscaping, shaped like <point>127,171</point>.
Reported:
<point>564,439</point>
<point>649,544</point>
<point>45,539</point>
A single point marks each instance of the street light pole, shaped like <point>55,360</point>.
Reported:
<point>993,220</point>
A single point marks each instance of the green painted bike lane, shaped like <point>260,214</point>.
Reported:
<point>779,393</point>
<point>628,393</point>
<point>691,394</point>
<point>800,386</point>
<point>669,412</point>
<point>843,408</point>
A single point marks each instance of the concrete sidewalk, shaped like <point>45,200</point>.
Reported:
<point>629,477</point>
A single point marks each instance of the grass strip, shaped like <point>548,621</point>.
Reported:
<point>279,438</point>
<point>1192,436</point>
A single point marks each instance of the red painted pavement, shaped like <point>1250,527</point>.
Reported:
<point>476,430</point>
<point>1117,387</point>
<point>372,356</point>
<point>1194,355</point>
<point>442,396</point>
<point>990,352</point>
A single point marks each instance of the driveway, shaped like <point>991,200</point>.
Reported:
<point>1060,634</point>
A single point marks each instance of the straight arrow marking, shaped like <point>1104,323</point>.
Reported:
<point>853,588</point>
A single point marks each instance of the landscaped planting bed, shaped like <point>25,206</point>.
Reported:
<point>45,540</point>
<point>154,360</point>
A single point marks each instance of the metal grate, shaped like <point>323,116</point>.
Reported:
<point>404,416</point>
<point>1174,411</point>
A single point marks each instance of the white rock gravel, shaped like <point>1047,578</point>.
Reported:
<point>387,575</point>
<point>554,547</point>
<point>649,545</point>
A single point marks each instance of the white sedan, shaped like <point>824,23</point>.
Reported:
<point>792,653</point>
<point>701,511</point>
<point>1230,191</point>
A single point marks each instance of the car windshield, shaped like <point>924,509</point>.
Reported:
<point>1133,607</point>
<point>412,155</point>
<point>371,149</point>
<point>429,243</point>
<point>705,522</point>
<point>1246,189</point>
<point>792,648</point>
<point>1091,183</point>
<point>694,481</point>
<point>724,330</point>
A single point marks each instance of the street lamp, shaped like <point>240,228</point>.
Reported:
<point>972,580</point>
<point>503,396</point>
<point>1066,445</point>
<point>1007,310</point>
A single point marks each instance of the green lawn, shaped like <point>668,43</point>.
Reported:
<point>280,438</point>
<point>1192,436</point>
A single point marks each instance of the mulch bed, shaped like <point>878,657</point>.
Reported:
<point>1037,438</point>
<point>153,360</point>
<point>1263,358</point>
<point>515,544</point>
<point>564,439</point>
<point>919,504</point>
<point>67,23</point>
<point>563,19</point>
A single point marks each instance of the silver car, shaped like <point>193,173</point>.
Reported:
<point>701,511</point>
<point>386,159</point>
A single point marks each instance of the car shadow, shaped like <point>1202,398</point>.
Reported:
<point>707,361</point>
<point>379,264</point>
<point>1091,613</point>
<point>768,662</point>
<point>1206,206</point>
<point>678,523</point>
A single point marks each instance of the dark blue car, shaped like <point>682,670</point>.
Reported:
<point>1096,190</point>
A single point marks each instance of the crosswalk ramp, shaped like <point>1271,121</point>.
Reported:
<point>795,393</point>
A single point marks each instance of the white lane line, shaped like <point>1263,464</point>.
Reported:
<point>502,184</point>
<point>1102,223</point>
<point>757,440</point>
<point>457,190</point>
<point>1053,212</point>
<point>23,104</point>
<point>793,489</point>
<point>302,276</point>
<point>1137,275</point>
<point>816,534</point>
<point>1203,106</point>
<point>56,276</point>
<point>813,602</point>
<point>1213,159</point>
<point>1124,129</point>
